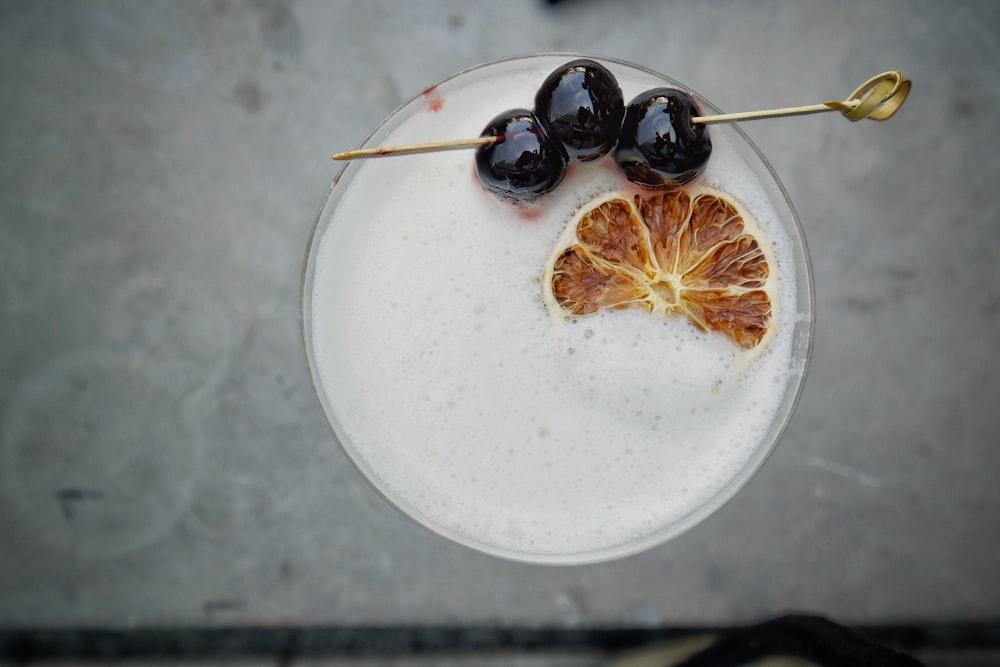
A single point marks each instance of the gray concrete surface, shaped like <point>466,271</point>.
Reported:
<point>162,458</point>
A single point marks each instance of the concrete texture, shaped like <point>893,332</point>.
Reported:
<point>163,460</point>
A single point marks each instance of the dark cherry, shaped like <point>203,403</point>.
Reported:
<point>659,147</point>
<point>581,105</point>
<point>525,164</point>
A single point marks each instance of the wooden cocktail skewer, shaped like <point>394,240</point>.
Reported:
<point>878,98</point>
<point>433,147</point>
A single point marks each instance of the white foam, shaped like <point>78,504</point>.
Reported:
<point>471,408</point>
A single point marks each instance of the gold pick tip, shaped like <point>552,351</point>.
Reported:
<point>878,98</point>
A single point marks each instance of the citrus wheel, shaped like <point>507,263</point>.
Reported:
<point>695,251</point>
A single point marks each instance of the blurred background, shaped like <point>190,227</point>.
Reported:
<point>164,463</point>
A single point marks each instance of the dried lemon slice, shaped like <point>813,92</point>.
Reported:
<point>695,251</point>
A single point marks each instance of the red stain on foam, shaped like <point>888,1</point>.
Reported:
<point>529,213</point>
<point>436,102</point>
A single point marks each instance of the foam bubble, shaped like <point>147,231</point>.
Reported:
<point>468,405</point>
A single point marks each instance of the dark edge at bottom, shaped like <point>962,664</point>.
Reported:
<point>27,645</point>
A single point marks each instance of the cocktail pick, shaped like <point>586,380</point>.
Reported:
<point>878,98</point>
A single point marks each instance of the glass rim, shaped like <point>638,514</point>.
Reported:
<point>802,347</point>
